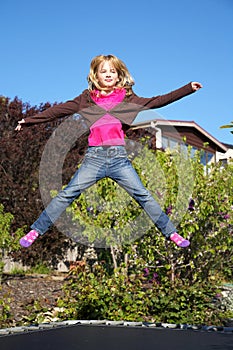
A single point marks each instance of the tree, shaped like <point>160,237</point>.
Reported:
<point>19,171</point>
<point>8,241</point>
<point>108,216</point>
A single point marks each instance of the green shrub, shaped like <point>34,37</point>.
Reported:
<point>117,297</point>
<point>9,242</point>
<point>175,180</point>
<point>5,311</point>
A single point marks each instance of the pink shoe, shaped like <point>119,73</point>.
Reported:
<point>30,237</point>
<point>179,241</point>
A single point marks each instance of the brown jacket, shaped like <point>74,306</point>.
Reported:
<point>125,111</point>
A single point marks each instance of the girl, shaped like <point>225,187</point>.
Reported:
<point>109,106</point>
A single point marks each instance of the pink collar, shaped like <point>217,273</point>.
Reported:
<point>117,95</point>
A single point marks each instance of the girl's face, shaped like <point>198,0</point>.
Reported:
<point>107,75</point>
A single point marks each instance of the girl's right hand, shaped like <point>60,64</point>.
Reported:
<point>196,86</point>
<point>19,126</point>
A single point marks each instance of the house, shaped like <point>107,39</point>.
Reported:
<point>171,133</point>
<point>225,157</point>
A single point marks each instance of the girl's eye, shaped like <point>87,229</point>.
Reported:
<point>104,71</point>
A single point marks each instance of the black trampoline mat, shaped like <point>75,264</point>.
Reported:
<point>89,337</point>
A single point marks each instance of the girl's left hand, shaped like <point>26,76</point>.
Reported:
<point>196,86</point>
<point>19,126</point>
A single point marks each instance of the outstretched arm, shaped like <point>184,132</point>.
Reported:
<point>165,99</point>
<point>61,110</point>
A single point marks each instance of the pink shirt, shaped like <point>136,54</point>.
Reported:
<point>107,131</point>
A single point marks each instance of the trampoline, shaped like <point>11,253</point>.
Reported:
<point>110,335</point>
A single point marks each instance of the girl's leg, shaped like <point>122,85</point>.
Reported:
<point>91,170</point>
<point>126,176</point>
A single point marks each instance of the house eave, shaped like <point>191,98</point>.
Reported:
<point>180,123</point>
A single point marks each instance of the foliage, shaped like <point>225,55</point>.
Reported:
<point>228,126</point>
<point>206,220</point>
<point>8,241</point>
<point>207,223</point>
<point>19,172</point>
<point>97,295</point>
<point>181,284</point>
<point>39,269</point>
<point>5,311</point>
<point>210,223</point>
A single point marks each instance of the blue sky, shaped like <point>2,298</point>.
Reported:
<point>47,46</point>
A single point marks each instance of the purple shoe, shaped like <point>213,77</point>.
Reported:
<point>30,237</point>
<point>179,241</point>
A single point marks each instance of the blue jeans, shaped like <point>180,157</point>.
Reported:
<point>100,162</point>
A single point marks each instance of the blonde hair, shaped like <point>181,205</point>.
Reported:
<point>125,79</point>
